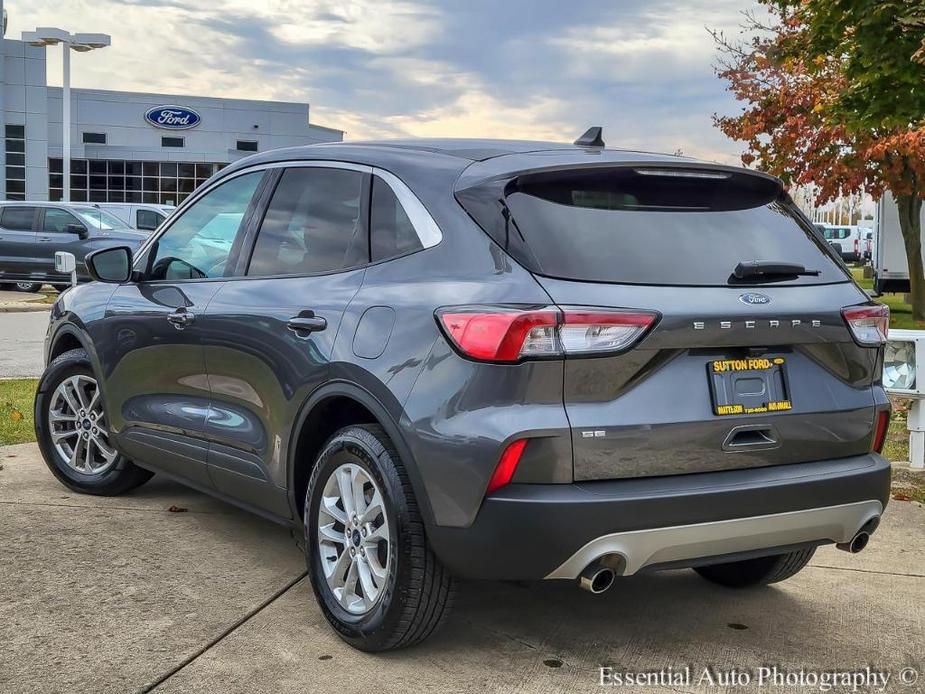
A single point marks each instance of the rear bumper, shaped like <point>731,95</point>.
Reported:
<point>536,531</point>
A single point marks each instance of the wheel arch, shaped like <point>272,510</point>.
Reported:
<point>66,338</point>
<point>360,407</point>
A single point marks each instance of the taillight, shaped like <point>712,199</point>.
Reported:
<point>869,324</point>
<point>507,466</point>
<point>883,423</point>
<point>506,334</point>
<point>857,246</point>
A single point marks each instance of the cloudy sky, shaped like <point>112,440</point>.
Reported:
<point>382,68</point>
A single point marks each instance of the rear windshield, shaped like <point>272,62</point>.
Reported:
<point>654,226</point>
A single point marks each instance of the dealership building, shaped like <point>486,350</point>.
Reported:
<point>129,146</point>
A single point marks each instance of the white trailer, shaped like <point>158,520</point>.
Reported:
<point>891,271</point>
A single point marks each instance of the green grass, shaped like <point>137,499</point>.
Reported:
<point>16,397</point>
<point>900,311</point>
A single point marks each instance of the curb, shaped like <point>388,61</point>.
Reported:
<point>24,307</point>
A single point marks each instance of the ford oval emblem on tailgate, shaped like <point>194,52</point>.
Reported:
<point>754,299</point>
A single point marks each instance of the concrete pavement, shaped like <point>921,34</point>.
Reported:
<point>121,595</point>
<point>22,337</point>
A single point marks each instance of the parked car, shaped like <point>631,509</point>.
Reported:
<point>848,239</point>
<point>31,233</point>
<point>141,216</point>
<point>450,359</point>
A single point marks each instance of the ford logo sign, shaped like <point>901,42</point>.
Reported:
<point>754,299</point>
<point>172,117</point>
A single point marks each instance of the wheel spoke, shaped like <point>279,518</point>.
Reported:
<point>329,506</point>
<point>56,417</point>
<point>379,571</point>
<point>79,392</point>
<point>58,436</point>
<point>350,584</point>
<point>370,591</point>
<point>373,509</point>
<point>93,400</point>
<point>327,532</point>
<point>75,454</point>
<point>108,452</point>
<point>378,535</point>
<point>65,390</point>
<point>357,485</point>
<point>346,490</point>
<point>337,570</point>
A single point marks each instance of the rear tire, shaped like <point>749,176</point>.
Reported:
<point>83,460</point>
<point>411,592</point>
<point>30,287</point>
<point>758,571</point>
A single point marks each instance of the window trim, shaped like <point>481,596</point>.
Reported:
<point>424,224</point>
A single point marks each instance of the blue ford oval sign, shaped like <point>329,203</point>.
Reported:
<point>172,117</point>
<point>754,299</point>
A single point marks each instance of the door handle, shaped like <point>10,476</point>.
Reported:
<point>181,318</point>
<point>45,238</point>
<point>306,322</point>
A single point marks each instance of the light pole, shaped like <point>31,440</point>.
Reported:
<point>49,36</point>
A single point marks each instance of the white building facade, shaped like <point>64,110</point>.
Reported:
<point>129,146</point>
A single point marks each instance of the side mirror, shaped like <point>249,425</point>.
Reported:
<point>110,264</point>
<point>78,229</point>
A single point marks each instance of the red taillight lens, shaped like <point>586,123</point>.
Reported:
<point>502,335</point>
<point>870,325</point>
<point>857,246</point>
<point>883,423</point>
<point>505,334</point>
<point>507,465</point>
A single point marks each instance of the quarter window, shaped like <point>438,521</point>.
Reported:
<point>198,244</point>
<point>391,232</point>
<point>312,224</point>
<point>57,221</point>
<point>17,218</point>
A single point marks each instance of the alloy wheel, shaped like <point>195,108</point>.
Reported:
<point>78,428</point>
<point>354,542</point>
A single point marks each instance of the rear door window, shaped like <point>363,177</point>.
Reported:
<point>148,220</point>
<point>17,218</point>
<point>657,226</point>
<point>312,225</point>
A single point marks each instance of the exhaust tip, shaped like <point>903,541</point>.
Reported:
<point>596,580</point>
<point>857,543</point>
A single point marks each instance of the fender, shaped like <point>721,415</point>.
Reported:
<point>65,327</point>
<point>383,418</point>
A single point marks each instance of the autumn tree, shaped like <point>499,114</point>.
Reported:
<point>834,94</point>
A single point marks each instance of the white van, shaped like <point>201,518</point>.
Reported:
<point>141,216</point>
<point>849,238</point>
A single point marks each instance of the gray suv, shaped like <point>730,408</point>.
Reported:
<point>469,359</point>
<point>31,233</point>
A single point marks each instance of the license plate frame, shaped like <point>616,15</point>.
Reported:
<point>734,386</point>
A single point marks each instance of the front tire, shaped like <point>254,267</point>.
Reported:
<point>759,571</point>
<point>72,430</point>
<point>376,579</point>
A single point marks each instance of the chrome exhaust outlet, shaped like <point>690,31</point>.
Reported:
<point>599,575</point>
<point>596,578</point>
<point>857,543</point>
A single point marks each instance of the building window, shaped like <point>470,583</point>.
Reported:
<point>246,146</point>
<point>115,180</point>
<point>15,148</point>
<point>171,142</point>
<point>94,138</point>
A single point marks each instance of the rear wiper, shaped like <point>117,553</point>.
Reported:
<point>769,268</point>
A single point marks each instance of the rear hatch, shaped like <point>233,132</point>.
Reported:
<point>750,361</point>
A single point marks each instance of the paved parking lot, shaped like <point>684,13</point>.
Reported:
<point>123,595</point>
<point>22,337</point>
